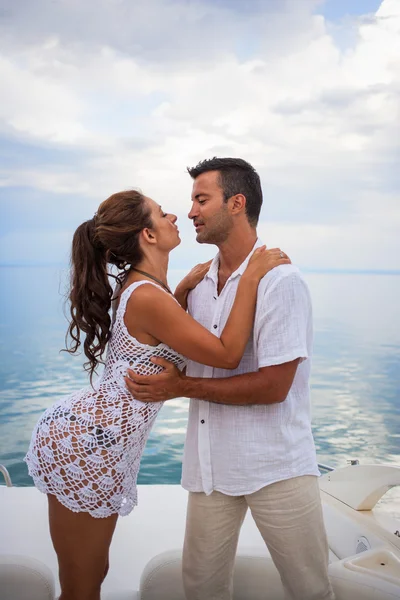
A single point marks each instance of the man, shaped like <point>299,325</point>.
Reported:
<point>249,440</point>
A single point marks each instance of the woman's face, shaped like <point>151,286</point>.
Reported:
<point>164,227</point>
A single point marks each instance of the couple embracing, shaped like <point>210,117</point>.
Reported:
<point>242,327</point>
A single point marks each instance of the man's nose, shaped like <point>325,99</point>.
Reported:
<point>193,212</point>
<point>174,218</point>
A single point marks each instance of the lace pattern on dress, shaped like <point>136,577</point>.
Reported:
<point>86,448</point>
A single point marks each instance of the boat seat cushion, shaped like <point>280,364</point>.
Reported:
<point>25,578</point>
<point>255,578</point>
<point>162,580</point>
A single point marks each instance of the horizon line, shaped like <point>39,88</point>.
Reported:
<point>322,270</point>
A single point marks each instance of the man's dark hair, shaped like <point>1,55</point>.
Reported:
<point>236,176</point>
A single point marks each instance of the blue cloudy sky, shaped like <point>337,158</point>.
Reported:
<point>102,95</point>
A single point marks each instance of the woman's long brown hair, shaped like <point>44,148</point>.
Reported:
<point>111,237</point>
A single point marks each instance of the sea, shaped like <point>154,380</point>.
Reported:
<point>355,384</point>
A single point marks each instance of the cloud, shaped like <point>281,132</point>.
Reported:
<point>166,31</point>
<point>105,96</point>
<point>344,246</point>
<point>32,104</point>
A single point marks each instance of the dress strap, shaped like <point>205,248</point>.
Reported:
<point>126,294</point>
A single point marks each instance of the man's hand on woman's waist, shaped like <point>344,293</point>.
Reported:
<point>166,385</point>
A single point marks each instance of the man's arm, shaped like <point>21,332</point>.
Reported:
<point>268,385</point>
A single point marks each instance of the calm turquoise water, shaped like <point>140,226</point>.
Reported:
<point>355,383</point>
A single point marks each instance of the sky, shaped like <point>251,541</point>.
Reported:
<point>104,95</point>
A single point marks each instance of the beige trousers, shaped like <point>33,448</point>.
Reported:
<point>289,517</point>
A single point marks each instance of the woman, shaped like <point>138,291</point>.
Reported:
<point>86,449</point>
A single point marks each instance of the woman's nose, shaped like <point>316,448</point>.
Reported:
<point>173,218</point>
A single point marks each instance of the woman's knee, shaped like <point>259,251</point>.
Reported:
<point>81,581</point>
<point>106,569</point>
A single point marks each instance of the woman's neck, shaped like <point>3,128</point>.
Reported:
<point>155,266</point>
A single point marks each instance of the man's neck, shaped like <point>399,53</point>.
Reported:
<point>234,251</point>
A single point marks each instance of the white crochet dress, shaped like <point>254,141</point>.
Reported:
<point>86,448</point>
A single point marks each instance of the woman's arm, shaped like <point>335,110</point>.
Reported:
<point>162,318</point>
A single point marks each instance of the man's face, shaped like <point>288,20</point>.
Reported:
<point>210,214</point>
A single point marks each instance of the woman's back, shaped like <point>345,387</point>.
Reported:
<point>125,350</point>
<point>86,448</point>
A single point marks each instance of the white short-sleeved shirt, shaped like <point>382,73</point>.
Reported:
<point>238,450</point>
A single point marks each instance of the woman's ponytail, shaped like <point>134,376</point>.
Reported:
<point>111,237</point>
<point>90,296</point>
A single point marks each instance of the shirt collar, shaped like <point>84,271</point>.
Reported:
<point>213,270</point>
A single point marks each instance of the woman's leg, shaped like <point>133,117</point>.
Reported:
<point>82,544</point>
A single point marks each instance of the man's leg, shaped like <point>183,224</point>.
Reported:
<point>212,532</point>
<point>289,516</point>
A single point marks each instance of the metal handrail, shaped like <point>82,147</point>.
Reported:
<point>6,476</point>
<point>323,467</point>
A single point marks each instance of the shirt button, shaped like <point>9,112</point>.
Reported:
<point>202,421</point>
<point>215,326</point>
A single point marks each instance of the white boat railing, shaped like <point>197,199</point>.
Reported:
<point>327,469</point>
<point>323,468</point>
<point>6,475</point>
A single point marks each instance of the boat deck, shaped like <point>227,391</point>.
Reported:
<point>155,525</point>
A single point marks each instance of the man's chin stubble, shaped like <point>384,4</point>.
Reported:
<point>200,239</point>
<point>211,240</point>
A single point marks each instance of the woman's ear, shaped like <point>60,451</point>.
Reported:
<point>148,235</point>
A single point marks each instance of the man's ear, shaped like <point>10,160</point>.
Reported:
<point>238,204</point>
<point>148,235</point>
